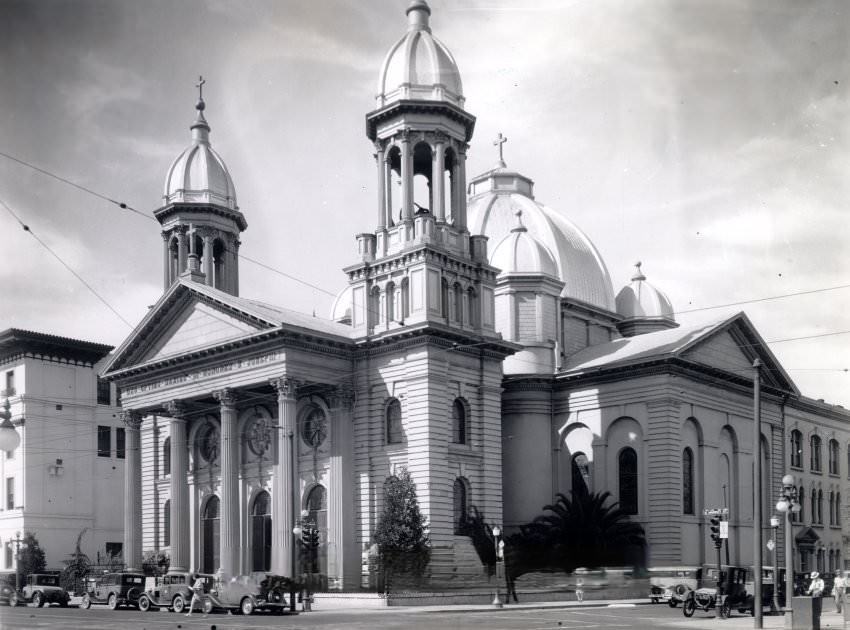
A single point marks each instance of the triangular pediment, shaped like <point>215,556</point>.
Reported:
<point>198,325</point>
<point>187,318</point>
<point>733,346</point>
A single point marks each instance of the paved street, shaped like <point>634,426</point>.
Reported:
<point>643,617</point>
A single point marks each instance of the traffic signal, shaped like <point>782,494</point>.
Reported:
<point>715,531</point>
<point>310,537</point>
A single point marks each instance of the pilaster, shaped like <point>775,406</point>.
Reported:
<point>662,469</point>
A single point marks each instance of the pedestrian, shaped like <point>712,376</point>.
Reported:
<point>816,586</point>
<point>839,586</point>
<point>197,594</point>
<point>580,589</point>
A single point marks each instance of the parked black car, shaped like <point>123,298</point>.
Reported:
<point>114,590</point>
<point>173,591</point>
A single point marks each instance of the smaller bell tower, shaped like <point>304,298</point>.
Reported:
<point>201,221</point>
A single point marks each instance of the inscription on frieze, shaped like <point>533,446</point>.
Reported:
<point>191,377</point>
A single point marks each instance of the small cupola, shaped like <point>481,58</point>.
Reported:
<point>643,307</point>
<point>520,253</point>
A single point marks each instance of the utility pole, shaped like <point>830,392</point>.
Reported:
<point>757,563</point>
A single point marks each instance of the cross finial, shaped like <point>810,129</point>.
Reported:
<point>200,86</point>
<point>498,142</point>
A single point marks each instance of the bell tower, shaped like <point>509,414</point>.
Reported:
<point>421,264</point>
<point>201,221</point>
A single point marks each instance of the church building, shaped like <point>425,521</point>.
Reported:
<point>479,343</point>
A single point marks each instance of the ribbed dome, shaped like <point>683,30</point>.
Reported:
<point>341,309</point>
<point>497,196</point>
<point>199,175</point>
<point>642,300</point>
<point>519,252</point>
<point>418,66</point>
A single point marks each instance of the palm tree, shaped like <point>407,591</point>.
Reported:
<point>582,531</point>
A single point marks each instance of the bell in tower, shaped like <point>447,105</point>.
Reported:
<point>201,221</point>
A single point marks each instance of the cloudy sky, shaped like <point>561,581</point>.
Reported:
<point>709,140</point>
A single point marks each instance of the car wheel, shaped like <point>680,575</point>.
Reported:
<point>689,606</point>
<point>86,603</point>
<point>725,610</point>
<point>246,606</point>
<point>672,602</point>
<point>63,603</point>
<point>144,603</point>
<point>207,606</point>
<point>38,599</point>
<point>178,604</point>
<point>112,602</point>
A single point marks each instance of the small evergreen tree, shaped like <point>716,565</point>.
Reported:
<point>77,566</point>
<point>401,535</point>
<point>31,559</point>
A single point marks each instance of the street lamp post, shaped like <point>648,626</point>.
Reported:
<point>9,437</point>
<point>787,505</point>
<point>774,602</point>
<point>497,545</point>
<point>308,535</point>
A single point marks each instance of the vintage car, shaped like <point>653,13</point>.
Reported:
<point>43,588</point>
<point>729,593</point>
<point>173,591</point>
<point>247,593</point>
<point>7,589</point>
<point>672,584</point>
<point>114,590</point>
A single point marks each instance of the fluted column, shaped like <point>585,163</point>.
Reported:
<point>406,177</point>
<point>382,188</point>
<point>133,492</point>
<point>235,281</point>
<point>229,540</point>
<point>438,179</point>
<point>179,489</point>
<point>283,497</point>
<point>182,252</point>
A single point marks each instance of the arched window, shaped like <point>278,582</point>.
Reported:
<point>458,422</point>
<point>374,314</point>
<point>628,475</point>
<point>458,314</point>
<point>166,524</point>
<point>218,263</point>
<point>261,533</point>
<point>461,507</point>
<point>820,507</point>
<point>211,533</point>
<point>444,300</point>
<point>801,499</point>
<point>393,418</point>
<point>472,303</point>
<point>687,481</point>
<point>581,473</point>
<point>833,457</point>
<point>814,505</point>
<point>831,500</point>
<point>797,449</point>
<point>404,311</point>
<point>815,446</point>
<point>390,297</point>
<point>166,457</point>
<point>838,509</point>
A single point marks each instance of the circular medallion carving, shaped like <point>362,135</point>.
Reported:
<point>314,429</point>
<point>208,443</point>
<point>258,435</point>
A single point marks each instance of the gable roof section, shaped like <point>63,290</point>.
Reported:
<point>191,317</point>
<point>730,345</point>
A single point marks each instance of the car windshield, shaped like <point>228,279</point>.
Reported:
<point>133,579</point>
<point>47,580</point>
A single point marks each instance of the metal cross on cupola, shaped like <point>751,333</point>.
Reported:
<point>498,142</point>
<point>200,86</point>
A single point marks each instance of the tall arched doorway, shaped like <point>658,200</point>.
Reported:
<point>261,533</point>
<point>317,510</point>
<point>211,532</point>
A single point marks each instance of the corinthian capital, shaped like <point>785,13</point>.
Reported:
<point>226,397</point>
<point>132,418</point>
<point>287,388</point>
<point>176,408</point>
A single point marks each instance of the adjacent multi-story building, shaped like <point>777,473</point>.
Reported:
<point>67,474</point>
